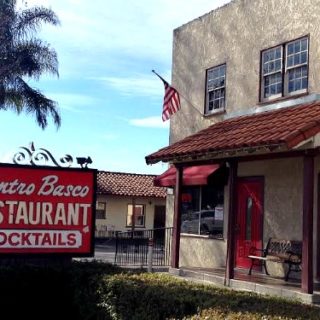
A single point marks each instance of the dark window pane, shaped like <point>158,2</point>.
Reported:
<point>290,48</point>
<point>304,83</point>
<point>291,75</point>
<point>271,66</point>
<point>304,71</point>
<point>216,104</point>
<point>291,86</point>
<point>290,61</point>
<point>303,57</point>
<point>279,87</point>
<point>278,65</point>
<point>278,53</point>
<point>222,71</point>
<point>215,73</point>
<point>304,44</point>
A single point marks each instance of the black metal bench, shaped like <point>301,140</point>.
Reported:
<point>278,250</point>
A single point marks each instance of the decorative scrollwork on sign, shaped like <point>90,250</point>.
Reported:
<point>23,156</point>
<point>40,157</point>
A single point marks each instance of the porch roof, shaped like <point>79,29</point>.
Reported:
<point>286,128</point>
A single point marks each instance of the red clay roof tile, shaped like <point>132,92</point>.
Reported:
<point>283,127</point>
<point>128,184</point>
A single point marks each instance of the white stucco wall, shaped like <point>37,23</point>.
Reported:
<point>117,209</point>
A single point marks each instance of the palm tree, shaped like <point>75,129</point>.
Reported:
<point>23,56</point>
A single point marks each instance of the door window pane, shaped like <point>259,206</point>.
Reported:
<point>248,218</point>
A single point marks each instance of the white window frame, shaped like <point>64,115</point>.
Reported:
<point>285,70</point>
<point>142,214</point>
<point>211,89</point>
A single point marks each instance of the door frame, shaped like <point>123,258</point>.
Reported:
<point>260,179</point>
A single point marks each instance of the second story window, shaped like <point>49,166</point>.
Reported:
<point>215,89</point>
<point>284,70</point>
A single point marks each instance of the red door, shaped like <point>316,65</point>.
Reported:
<point>249,219</point>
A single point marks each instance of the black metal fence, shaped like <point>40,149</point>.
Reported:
<point>144,247</point>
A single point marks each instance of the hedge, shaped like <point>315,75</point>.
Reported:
<point>92,290</point>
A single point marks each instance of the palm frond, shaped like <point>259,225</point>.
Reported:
<point>32,58</point>
<point>12,100</point>
<point>30,20</point>
<point>32,101</point>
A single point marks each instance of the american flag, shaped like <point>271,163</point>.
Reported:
<point>171,101</point>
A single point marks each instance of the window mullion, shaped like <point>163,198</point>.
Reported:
<point>283,69</point>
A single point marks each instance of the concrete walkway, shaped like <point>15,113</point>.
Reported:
<point>259,283</point>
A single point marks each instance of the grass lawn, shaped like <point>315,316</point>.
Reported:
<point>91,290</point>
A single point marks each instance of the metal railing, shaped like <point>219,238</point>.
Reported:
<point>144,247</point>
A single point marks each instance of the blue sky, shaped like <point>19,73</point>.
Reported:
<point>109,100</point>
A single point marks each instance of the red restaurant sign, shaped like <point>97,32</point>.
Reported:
<point>46,210</point>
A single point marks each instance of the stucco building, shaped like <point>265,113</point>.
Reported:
<point>249,124</point>
<point>127,201</point>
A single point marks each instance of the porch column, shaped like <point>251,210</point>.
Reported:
<point>233,169</point>
<point>176,219</point>
<point>307,225</point>
<point>318,230</point>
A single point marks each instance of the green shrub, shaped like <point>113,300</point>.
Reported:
<point>99,291</point>
<point>156,296</point>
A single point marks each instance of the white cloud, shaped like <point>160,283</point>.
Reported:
<point>149,122</point>
<point>137,85</point>
<point>110,29</point>
<point>73,102</point>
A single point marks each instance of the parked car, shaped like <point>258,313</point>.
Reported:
<point>202,222</point>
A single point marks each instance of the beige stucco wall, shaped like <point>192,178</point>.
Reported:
<point>117,208</point>
<point>235,34</point>
<point>283,186</point>
<point>282,195</point>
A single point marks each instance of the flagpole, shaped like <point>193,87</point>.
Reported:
<point>192,105</point>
